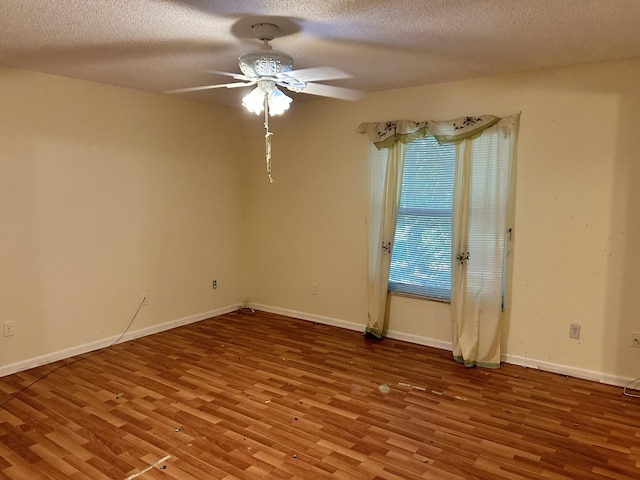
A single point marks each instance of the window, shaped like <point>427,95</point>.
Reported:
<point>421,255</point>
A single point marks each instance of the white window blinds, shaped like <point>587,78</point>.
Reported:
<point>421,251</point>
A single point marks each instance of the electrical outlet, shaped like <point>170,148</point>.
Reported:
<point>635,340</point>
<point>7,329</point>
<point>144,297</point>
<point>214,284</point>
<point>314,289</point>
<point>574,331</point>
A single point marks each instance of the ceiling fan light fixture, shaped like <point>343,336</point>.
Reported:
<point>278,102</point>
<point>254,101</point>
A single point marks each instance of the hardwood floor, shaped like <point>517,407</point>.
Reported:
<point>265,396</point>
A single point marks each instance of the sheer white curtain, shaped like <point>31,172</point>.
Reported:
<point>385,186</point>
<point>485,166</point>
<point>483,195</point>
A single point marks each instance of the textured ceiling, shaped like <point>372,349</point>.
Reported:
<point>155,45</point>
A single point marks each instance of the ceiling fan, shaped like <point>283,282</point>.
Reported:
<point>269,69</point>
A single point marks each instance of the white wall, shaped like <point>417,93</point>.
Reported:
<point>107,193</point>
<point>573,254</point>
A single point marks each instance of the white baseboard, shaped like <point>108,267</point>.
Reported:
<point>443,345</point>
<point>105,342</point>
<point>566,370</point>
<point>308,316</point>
<point>430,342</point>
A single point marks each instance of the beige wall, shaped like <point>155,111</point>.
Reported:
<point>573,255</point>
<point>107,193</point>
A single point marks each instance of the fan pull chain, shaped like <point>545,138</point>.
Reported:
<point>267,138</point>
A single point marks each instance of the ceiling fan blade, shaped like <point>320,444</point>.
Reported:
<point>331,91</point>
<point>315,74</point>
<point>237,76</point>
<point>209,87</point>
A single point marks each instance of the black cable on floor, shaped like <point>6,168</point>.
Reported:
<point>45,375</point>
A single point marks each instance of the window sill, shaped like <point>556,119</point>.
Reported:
<point>417,297</point>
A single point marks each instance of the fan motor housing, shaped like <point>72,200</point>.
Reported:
<point>265,63</point>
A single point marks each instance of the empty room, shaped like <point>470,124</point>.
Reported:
<point>298,240</point>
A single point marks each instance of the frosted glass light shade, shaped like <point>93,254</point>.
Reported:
<point>278,102</point>
<point>254,101</point>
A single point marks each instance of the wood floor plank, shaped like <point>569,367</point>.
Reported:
<point>258,395</point>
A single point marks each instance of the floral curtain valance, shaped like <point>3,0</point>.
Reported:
<point>385,134</point>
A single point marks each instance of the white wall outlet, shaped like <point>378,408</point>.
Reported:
<point>574,331</point>
<point>635,340</point>
<point>7,329</point>
<point>314,289</point>
<point>214,284</point>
